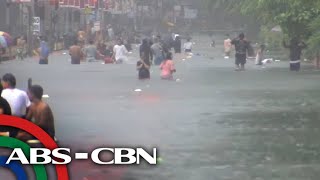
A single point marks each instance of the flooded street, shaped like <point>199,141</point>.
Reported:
<point>214,123</point>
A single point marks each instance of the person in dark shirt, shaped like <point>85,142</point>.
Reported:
<point>145,52</point>
<point>241,46</point>
<point>5,109</point>
<point>296,46</point>
<point>177,45</point>
<point>143,69</point>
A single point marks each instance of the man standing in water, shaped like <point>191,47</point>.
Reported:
<point>44,51</point>
<point>120,52</point>
<point>296,46</point>
<point>177,44</point>
<point>241,46</point>
<point>21,43</point>
<point>75,53</point>
<point>145,51</point>
<point>91,52</point>
<point>40,112</point>
<point>188,46</point>
<point>157,52</point>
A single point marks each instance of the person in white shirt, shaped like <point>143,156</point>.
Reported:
<point>187,46</point>
<point>227,47</point>
<point>120,52</point>
<point>17,99</point>
<point>110,32</point>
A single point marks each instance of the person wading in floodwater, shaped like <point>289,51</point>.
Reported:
<point>296,46</point>
<point>241,46</point>
<point>188,46</point>
<point>167,68</point>
<point>75,53</point>
<point>177,44</point>
<point>157,51</point>
<point>260,55</point>
<point>145,52</point>
<point>44,51</point>
<point>91,52</point>
<point>120,52</point>
<point>40,112</point>
<point>227,47</point>
<point>143,69</point>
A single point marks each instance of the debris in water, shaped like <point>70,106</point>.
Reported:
<point>64,53</point>
<point>265,61</point>
<point>277,60</point>
<point>137,90</point>
<point>299,145</point>
<point>268,158</point>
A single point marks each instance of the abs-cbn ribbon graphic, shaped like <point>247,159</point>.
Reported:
<point>38,133</point>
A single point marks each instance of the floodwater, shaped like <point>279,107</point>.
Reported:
<point>214,123</point>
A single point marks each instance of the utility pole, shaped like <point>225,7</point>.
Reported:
<point>30,38</point>
<point>135,6</point>
<point>67,20</point>
<point>102,23</point>
<point>8,15</point>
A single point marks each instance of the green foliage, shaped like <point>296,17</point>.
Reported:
<point>273,40</point>
<point>314,40</point>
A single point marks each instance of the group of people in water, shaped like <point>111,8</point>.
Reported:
<point>244,48</point>
<point>26,105</point>
<point>152,51</point>
<point>156,53</point>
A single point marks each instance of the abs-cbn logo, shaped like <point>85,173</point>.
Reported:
<point>61,156</point>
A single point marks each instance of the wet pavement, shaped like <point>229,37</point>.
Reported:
<point>214,123</point>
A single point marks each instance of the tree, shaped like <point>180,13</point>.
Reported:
<point>314,39</point>
<point>292,15</point>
